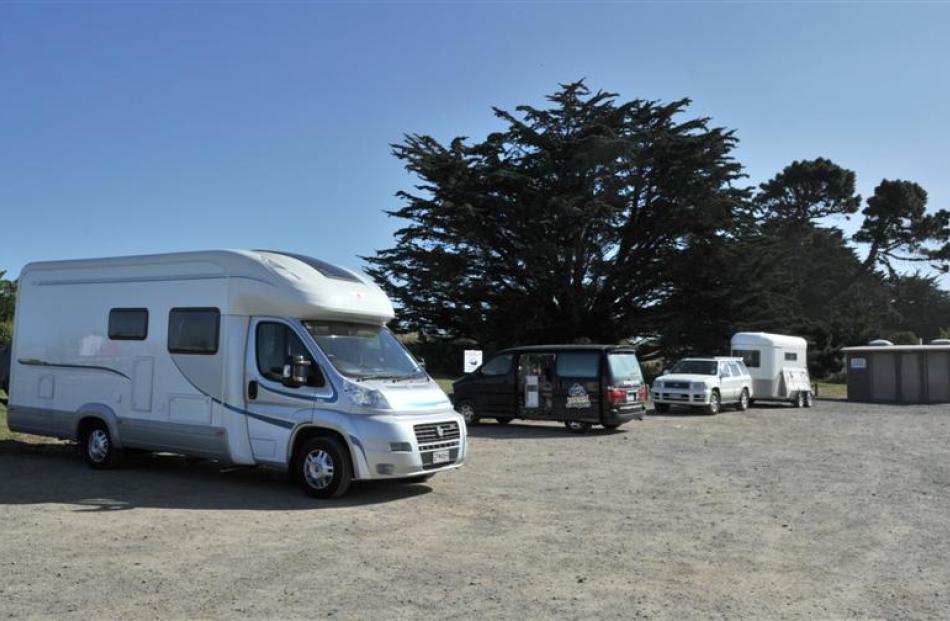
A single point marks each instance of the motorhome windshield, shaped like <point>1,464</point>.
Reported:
<point>696,367</point>
<point>363,351</point>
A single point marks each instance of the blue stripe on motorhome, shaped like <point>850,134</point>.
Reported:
<point>309,398</point>
<point>43,363</point>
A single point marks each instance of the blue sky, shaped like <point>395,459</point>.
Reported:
<point>135,127</point>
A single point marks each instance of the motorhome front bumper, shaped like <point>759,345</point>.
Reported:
<point>391,447</point>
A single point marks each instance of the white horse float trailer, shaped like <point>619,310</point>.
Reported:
<point>778,365</point>
<point>247,357</point>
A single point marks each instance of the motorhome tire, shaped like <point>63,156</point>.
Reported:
<point>577,426</point>
<point>809,400</point>
<point>467,410</point>
<point>744,401</point>
<point>323,468</point>
<point>97,446</point>
<point>504,420</point>
<point>661,408</point>
<point>715,403</point>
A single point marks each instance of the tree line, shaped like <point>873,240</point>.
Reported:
<point>600,220</point>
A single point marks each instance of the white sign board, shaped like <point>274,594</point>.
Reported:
<point>473,359</point>
<point>859,363</point>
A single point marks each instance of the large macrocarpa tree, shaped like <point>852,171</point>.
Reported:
<point>564,226</point>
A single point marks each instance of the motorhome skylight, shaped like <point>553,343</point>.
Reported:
<point>327,269</point>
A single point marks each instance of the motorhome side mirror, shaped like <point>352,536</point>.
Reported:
<point>297,370</point>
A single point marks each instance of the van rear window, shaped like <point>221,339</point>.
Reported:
<point>624,368</point>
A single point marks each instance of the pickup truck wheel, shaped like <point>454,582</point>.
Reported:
<point>715,403</point>
<point>323,468</point>
<point>467,410</point>
<point>98,448</point>
<point>743,404</point>
<point>576,426</point>
<point>661,408</point>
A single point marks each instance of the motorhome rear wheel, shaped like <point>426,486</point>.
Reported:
<point>97,446</point>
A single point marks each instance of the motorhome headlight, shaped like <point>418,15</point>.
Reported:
<point>698,386</point>
<point>365,397</point>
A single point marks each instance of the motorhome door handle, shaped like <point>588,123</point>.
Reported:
<point>252,390</point>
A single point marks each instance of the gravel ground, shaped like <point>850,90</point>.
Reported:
<point>836,512</point>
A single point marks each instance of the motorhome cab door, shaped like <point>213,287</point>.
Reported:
<point>282,384</point>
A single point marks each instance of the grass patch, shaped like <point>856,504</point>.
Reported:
<point>445,383</point>
<point>6,434</point>
<point>828,390</point>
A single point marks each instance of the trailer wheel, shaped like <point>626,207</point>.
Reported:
<point>809,400</point>
<point>661,408</point>
<point>715,403</point>
<point>576,426</point>
<point>322,468</point>
<point>97,446</point>
<point>799,400</point>
<point>744,401</point>
<point>467,410</point>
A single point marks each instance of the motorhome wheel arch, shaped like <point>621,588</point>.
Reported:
<point>579,385</point>
<point>248,357</point>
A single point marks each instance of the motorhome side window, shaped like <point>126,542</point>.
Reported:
<point>193,330</point>
<point>128,324</point>
<point>749,356</point>
<point>498,365</point>
<point>276,343</point>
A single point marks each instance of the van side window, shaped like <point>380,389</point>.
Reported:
<point>749,356</point>
<point>128,324</point>
<point>724,370</point>
<point>499,365</point>
<point>193,330</point>
<point>578,365</point>
<point>276,342</point>
<point>791,356</point>
<point>736,370</point>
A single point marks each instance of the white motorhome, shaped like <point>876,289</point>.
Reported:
<point>247,357</point>
<point>778,365</point>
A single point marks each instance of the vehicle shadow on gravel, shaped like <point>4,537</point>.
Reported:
<point>40,473</point>
<point>537,431</point>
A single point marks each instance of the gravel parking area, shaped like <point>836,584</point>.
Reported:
<point>840,511</point>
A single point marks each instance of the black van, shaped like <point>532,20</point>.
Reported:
<point>582,385</point>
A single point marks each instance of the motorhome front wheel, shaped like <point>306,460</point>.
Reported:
<point>323,468</point>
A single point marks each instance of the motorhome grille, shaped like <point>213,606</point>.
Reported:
<point>436,432</point>
<point>682,385</point>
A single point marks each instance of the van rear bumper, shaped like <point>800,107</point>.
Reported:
<point>624,414</point>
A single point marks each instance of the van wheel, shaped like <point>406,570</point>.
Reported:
<point>467,410</point>
<point>323,468</point>
<point>576,426</point>
<point>809,400</point>
<point>799,400</point>
<point>504,420</point>
<point>98,448</point>
<point>743,404</point>
<point>715,403</point>
<point>661,408</point>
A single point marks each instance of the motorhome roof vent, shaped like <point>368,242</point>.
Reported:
<point>881,343</point>
<point>940,342</point>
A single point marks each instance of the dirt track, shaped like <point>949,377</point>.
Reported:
<point>839,511</point>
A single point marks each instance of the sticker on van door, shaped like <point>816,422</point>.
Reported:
<point>577,397</point>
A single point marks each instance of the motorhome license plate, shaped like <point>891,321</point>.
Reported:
<point>440,457</point>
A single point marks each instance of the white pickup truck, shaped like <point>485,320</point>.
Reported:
<point>706,383</point>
